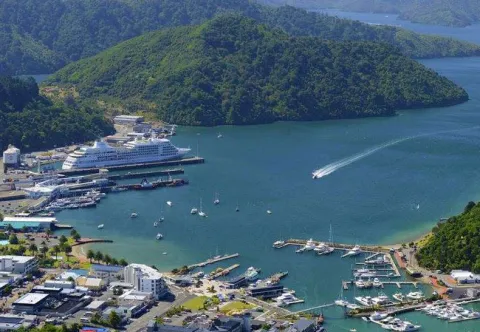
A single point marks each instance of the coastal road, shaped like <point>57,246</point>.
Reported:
<point>140,323</point>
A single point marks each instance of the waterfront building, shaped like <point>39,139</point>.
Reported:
<point>237,282</point>
<point>34,223</point>
<point>266,291</point>
<point>11,157</point>
<point>146,279</point>
<point>18,264</point>
<point>108,273</point>
<point>31,303</point>
<point>128,119</point>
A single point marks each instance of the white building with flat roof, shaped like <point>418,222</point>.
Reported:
<point>30,303</point>
<point>146,279</point>
<point>128,119</point>
<point>18,264</point>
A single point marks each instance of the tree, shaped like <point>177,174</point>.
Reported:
<point>470,205</point>
<point>123,262</point>
<point>13,239</point>
<point>24,229</point>
<point>48,232</point>
<point>33,248</point>
<point>56,250</point>
<point>21,250</point>
<point>63,239</point>
<point>107,259</point>
<point>98,256</point>
<point>114,261</point>
<point>90,255</point>
<point>76,237</point>
<point>44,250</point>
<point>10,228</point>
<point>73,232</point>
<point>114,319</point>
<point>68,249</point>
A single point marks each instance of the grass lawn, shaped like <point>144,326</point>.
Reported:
<point>236,306</point>
<point>195,303</point>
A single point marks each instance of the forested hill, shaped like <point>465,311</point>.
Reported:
<point>232,70</point>
<point>32,122</point>
<point>458,13</point>
<point>38,36</point>
<point>455,244</point>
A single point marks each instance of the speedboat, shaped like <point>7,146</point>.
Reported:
<point>159,236</point>
<point>194,210</point>
<point>399,297</point>
<point>415,295</point>
<point>278,244</point>
<point>100,226</point>
<point>353,252</point>
<point>269,212</point>
<point>251,274</point>
<point>216,200</point>
<point>161,219</point>
<point>133,215</point>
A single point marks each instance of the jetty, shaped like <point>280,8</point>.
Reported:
<point>213,260</point>
<point>89,240</point>
<point>224,272</point>
<point>167,163</point>
<point>339,246</point>
<point>61,226</point>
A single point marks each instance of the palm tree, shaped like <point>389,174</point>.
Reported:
<point>98,256</point>
<point>114,261</point>
<point>68,250</point>
<point>107,259</point>
<point>90,255</point>
<point>123,262</point>
<point>33,248</point>
<point>44,251</point>
<point>56,250</point>
<point>73,232</point>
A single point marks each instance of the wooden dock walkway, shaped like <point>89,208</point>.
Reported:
<point>88,240</point>
<point>400,283</point>
<point>224,272</point>
<point>314,308</point>
<point>213,260</point>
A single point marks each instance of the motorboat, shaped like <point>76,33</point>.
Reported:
<point>169,203</point>
<point>278,244</point>
<point>251,274</point>
<point>381,299</point>
<point>216,200</point>
<point>100,226</point>
<point>378,316</point>
<point>377,283</point>
<point>269,212</point>
<point>155,224</point>
<point>364,300</point>
<point>310,245</point>
<point>341,303</point>
<point>219,135</point>
<point>415,295</point>
<point>360,283</point>
<point>162,219</point>
<point>399,297</point>
<point>200,212</point>
<point>159,236</point>
<point>133,215</point>
<point>286,299</point>
<point>194,210</point>
<point>353,252</point>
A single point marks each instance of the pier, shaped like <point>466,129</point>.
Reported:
<point>88,240</point>
<point>374,250</point>
<point>61,226</point>
<point>176,162</point>
<point>315,308</point>
<point>213,260</point>
<point>129,175</point>
<point>224,272</point>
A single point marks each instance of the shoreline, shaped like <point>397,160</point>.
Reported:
<point>79,252</point>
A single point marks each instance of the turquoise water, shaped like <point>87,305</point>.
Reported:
<point>370,200</point>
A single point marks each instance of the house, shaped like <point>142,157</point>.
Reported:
<point>18,264</point>
<point>108,273</point>
<point>303,325</point>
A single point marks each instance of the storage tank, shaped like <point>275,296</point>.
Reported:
<point>11,156</point>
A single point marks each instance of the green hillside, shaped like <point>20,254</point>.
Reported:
<point>455,244</point>
<point>32,122</point>
<point>37,36</point>
<point>232,70</point>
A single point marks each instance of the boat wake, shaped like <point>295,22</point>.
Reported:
<point>336,165</point>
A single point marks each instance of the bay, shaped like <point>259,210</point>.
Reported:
<point>372,199</point>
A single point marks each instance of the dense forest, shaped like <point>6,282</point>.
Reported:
<point>32,122</point>
<point>455,244</point>
<point>40,36</point>
<point>458,13</point>
<point>232,70</point>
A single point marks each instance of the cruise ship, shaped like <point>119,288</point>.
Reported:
<point>135,152</point>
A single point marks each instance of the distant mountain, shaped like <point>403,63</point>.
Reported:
<point>454,244</point>
<point>458,13</point>
<point>32,122</point>
<point>38,36</point>
<point>232,70</point>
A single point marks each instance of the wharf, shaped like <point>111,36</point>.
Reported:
<point>153,185</point>
<point>277,276</point>
<point>213,260</point>
<point>224,272</point>
<point>62,226</point>
<point>88,240</point>
<point>129,175</point>
<point>176,162</point>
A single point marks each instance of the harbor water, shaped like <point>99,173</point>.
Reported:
<point>385,180</point>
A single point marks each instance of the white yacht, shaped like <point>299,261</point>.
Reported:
<point>376,316</point>
<point>310,245</point>
<point>278,244</point>
<point>100,226</point>
<point>415,295</point>
<point>135,152</point>
<point>285,299</point>
<point>377,283</point>
<point>251,274</point>
<point>399,297</point>
<point>155,224</point>
<point>133,215</point>
<point>353,252</point>
<point>216,200</point>
<point>159,236</point>
<point>194,210</point>
<point>269,212</point>
<point>169,203</point>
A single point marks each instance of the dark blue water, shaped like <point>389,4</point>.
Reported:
<point>370,200</point>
